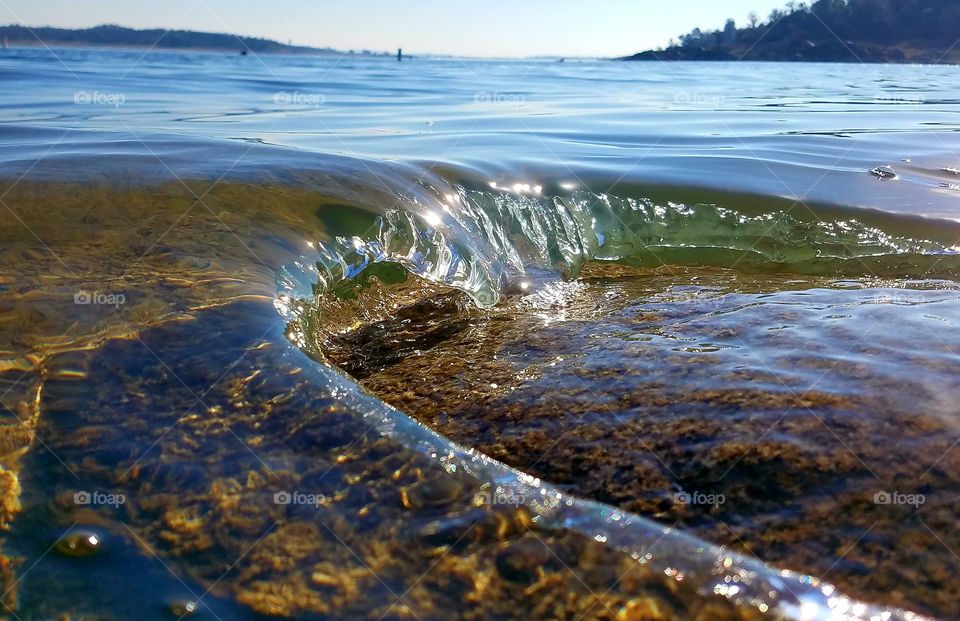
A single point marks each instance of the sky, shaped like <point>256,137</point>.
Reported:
<point>492,28</point>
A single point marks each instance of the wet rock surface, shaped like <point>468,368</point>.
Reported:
<point>801,420</point>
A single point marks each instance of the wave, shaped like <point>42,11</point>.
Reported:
<point>488,243</point>
<point>494,242</point>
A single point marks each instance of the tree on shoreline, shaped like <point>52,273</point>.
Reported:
<point>922,24</point>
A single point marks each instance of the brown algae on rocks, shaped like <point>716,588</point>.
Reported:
<point>762,412</point>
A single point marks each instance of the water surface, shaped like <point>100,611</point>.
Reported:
<point>358,339</point>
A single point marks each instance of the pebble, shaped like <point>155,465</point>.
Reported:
<point>521,559</point>
<point>433,493</point>
<point>79,543</point>
<point>884,172</point>
<point>183,608</point>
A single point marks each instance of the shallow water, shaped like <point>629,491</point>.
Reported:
<point>771,414</point>
<point>641,286</point>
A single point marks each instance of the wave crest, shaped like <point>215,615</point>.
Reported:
<point>485,242</point>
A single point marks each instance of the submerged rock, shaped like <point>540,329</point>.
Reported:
<point>183,608</point>
<point>884,172</point>
<point>80,543</point>
<point>433,493</point>
<point>521,560</point>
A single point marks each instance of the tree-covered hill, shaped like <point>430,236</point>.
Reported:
<point>118,36</point>
<point>926,31</point>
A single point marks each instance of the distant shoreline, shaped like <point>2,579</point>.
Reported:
<point>835,31</point>
<point>643,57</point>
<point>35,45</point>
<point>157,39</point>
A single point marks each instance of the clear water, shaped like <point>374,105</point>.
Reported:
<point>215,191</point>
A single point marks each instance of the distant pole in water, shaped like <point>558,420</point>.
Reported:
<point>6,43</point>
<point>399,54</point>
